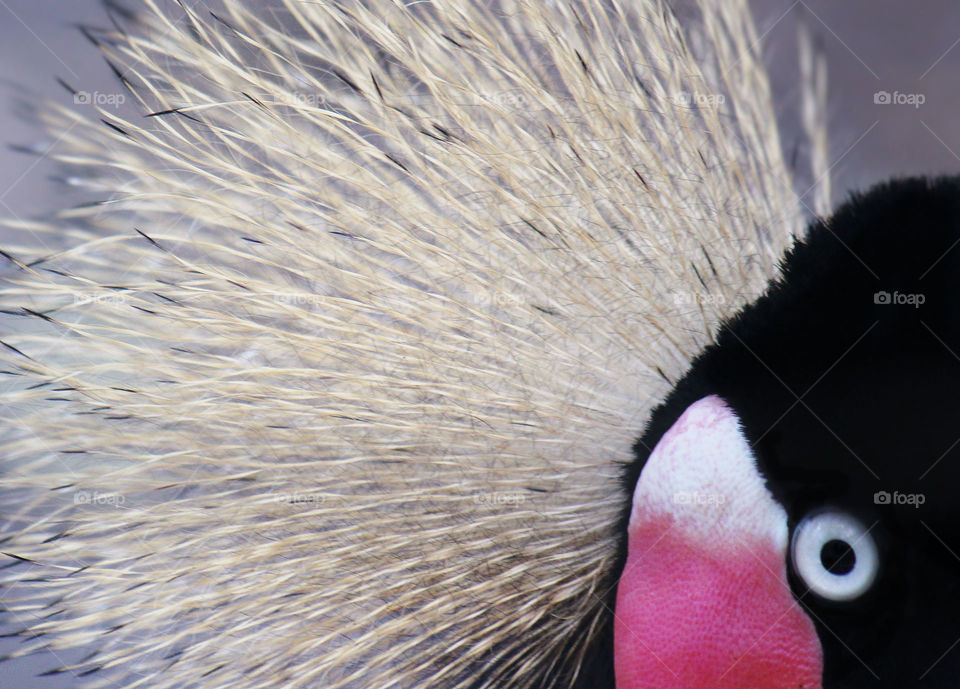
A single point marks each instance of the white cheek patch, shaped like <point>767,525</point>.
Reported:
<point>702,479</point>
<point>703,600</point>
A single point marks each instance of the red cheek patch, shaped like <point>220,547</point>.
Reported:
<point>703,602</point>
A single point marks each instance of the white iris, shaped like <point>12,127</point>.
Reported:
<point>812,536</point>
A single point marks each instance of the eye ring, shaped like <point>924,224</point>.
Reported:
<point>820,531</point>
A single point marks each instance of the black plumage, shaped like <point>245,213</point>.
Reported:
<point>845,377</point>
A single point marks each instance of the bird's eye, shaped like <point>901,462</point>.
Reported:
<point>834,555</point>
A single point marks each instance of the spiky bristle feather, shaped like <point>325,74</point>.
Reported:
<point>332,385</point>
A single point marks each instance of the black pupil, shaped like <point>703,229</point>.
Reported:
<point>837,557</point>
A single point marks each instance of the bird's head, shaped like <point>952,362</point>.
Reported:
<point>795,520</point>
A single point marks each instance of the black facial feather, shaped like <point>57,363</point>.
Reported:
<point>846,378</point>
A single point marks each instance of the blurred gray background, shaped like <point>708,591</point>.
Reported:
<point>909,50</point>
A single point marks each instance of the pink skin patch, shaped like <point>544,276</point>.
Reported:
<point>703,601</point>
